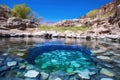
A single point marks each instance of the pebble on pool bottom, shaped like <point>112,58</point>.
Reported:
<point>65,60</point>
<point>31,74</point>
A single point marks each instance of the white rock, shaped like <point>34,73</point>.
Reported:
<point>31,74</point>
<point>107,79</point>
<point>107,72</point>
<point>5,54</point>
<point>20,54</point>
<point>58,79</point>
<point>12,63</point>
<point>85,74</point>
<point>98,51</point>
<point>54,61</point>
<point>69,70</point>
<point>105,58</point>
<point>22,66</point>
<point>29,67</point>
<point>76,65</point>
<point>92,73</point>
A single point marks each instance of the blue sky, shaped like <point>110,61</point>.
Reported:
<point>56,10</point>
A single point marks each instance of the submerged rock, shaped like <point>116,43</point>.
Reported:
<point>29,67</point>
<point>31,74</point>
<point>58,79</point>
<point>5,54</point>
<point>70,60</point>
<point>99,51</point>
<point>104,58</point>
<point>107,79</point>
<point>12,63</point>
<point>4,68</point>
<point>107,72</point>
<point>59,75</point>
<point>69,70</point>
<point>54,61</point>
<point>20,54</point>
<point>85,74</point>
<point>44,76</point>
<point>75,64</point>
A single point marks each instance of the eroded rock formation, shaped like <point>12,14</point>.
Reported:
<point>7,22</point>
<point>99,26</point>
<point>72,23</point>
<point>106,9</point>
<point>16,23</point>
<point>5,12</point>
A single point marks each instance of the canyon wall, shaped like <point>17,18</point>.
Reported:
<point>106,9</point>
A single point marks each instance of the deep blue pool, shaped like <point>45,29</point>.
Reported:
<point>54,55</point>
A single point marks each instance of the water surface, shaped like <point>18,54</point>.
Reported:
<point>66,60</point>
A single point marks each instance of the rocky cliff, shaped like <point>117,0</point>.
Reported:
<point>7,22</point>
<point>117,2</point>
<point>72,23</point>
<point>5,12</point>
<point>99,26</point>
<point>105,10</point>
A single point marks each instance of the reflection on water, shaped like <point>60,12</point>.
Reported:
<point>8,44</point>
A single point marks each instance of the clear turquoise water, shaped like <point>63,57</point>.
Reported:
<point>12,46</point>
<point>65,60</point>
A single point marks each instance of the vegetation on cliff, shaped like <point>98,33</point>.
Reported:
<point>21,11</point>
<point>62,29</point>
<point>92,13</point>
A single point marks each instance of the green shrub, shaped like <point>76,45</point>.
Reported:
<point>21,11</point>
<point>92,14</point>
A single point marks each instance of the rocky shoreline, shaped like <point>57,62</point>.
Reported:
<point>106,29</point>
<point>18,68</point>
<point>55,34</point>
